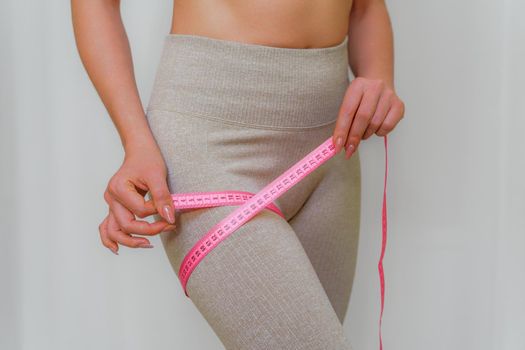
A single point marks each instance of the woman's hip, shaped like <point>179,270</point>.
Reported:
<point>231,115</point>
<point>250,85</point>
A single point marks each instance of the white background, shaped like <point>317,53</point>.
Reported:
<point>455,258</point>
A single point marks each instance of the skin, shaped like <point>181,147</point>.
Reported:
<point>370,105</point>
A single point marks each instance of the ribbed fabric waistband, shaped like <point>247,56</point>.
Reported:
<point>251,84</point>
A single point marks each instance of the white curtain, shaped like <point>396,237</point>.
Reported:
<point>455,258</point>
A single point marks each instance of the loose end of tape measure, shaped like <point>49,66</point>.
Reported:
<point>383,246</point>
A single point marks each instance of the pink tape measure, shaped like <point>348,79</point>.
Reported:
<point>251,204</point>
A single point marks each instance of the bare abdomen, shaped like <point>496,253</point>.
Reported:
<point>292,23</point>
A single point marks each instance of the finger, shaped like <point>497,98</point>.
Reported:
<point>347,111</point>
<point>160,193</point>
<point>124,238</point>
<point>362,118</point>
<point>106,241</point>
<point>382,109</point>
<point>395,114</point>
<point>124,191</point>
<point>128,223</point>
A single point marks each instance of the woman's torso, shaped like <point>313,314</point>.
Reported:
<point>292,23</point>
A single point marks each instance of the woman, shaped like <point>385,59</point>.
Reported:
<point>244,90</point>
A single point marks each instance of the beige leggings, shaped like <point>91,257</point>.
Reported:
<point>233,116</point>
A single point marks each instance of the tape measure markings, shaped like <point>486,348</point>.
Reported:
<point>197,200</point>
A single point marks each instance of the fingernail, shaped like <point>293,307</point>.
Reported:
<point>169,216</point>
<point>114,251</point>
<point>145,245</point>
<point>339,142</point>
<point>169,228</point>
<point>349,151</point>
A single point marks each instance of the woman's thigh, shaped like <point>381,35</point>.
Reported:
<point>257,289</point>
<point>328,227</point>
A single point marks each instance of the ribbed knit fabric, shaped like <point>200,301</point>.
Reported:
<point>229,115</point>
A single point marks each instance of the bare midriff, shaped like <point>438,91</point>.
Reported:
<point>278,23</point>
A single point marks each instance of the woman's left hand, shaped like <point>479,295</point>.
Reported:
<point>370,106</point>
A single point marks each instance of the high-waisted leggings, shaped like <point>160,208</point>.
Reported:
<point>230,115</point>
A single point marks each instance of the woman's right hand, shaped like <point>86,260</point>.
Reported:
<point>105,52</point>
<point>142,170</point>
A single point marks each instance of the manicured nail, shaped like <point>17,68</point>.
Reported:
<point>169,228</point>
<point>114,251</point>
<point>145,245</point>
<point>169,216</point>
<point>349,151</point>
<point>339,142</point>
